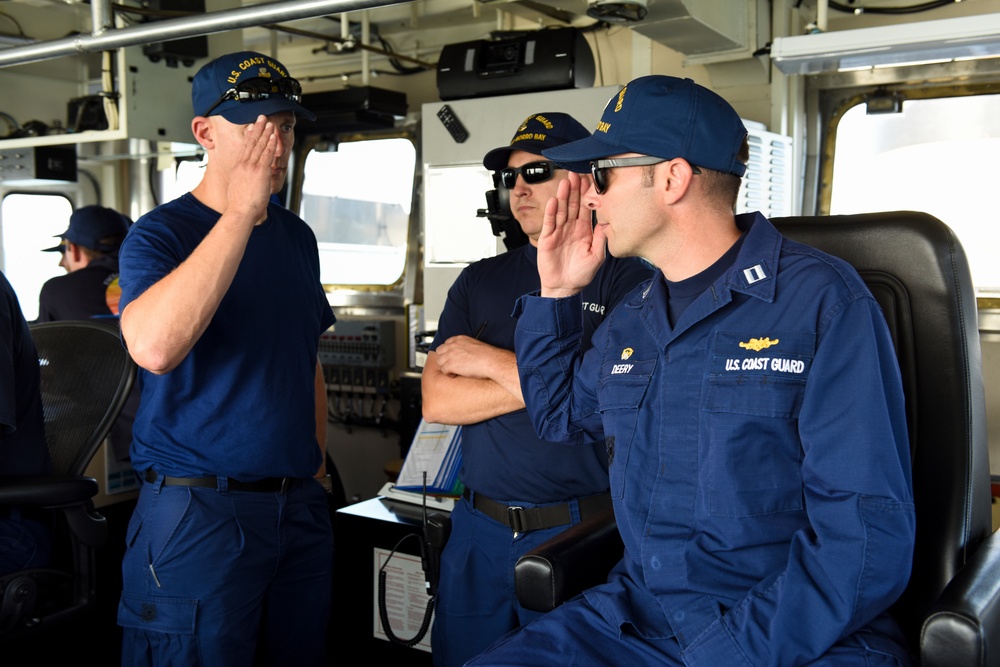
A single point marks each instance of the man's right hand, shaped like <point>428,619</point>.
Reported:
<point>250,178</point>
<point>570,251</point>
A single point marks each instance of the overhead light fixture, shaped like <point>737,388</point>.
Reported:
<point>883,102</point>
<point>943,40</point>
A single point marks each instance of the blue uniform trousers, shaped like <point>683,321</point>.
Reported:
<point>476,603</point>
<point>209,574</point>
<point>576,634</point>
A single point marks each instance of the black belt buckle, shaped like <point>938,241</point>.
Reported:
<point>286,483</point>
<point>515,518</point>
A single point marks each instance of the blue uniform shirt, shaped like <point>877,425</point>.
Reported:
<point>760,462</point>
<point>502,457</point>
<point>242,403</point>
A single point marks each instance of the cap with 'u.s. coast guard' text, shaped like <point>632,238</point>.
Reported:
<point>537,132</point>
<point>264,82</point>
<point>662,116</point>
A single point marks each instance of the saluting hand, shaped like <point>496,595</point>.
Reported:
<point>250,176</point>
<point>570,251</point>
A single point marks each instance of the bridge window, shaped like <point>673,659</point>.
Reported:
<point>357,200</point>
<point>29,223</point>
<point>936,155</point>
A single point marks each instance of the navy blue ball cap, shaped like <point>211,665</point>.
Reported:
<point>215,78</point>
<point>666,117</point>
<point>89,224</point>
<point>538,132</point>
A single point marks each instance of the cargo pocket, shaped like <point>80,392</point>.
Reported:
<point>171,616</point>
<point>159,630</point>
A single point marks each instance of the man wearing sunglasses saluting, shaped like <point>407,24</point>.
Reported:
<point>520,490</point>
<point>761,470</point>
<point>229,550</point>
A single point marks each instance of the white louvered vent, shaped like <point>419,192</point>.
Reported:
<point>767,186</point>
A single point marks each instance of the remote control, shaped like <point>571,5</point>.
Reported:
<point>452,124</point>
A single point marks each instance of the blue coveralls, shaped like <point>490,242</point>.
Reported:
<point>760,468</point>
<point>209,572</point>
<point>503,458</point>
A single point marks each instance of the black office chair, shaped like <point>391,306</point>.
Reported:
<point>86,377</point>
<point>918,272</point>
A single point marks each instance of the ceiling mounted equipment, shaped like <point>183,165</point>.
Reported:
<point>516,63</point>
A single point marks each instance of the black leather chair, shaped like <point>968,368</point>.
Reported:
<point>86,377</point>
<point>918,272</point>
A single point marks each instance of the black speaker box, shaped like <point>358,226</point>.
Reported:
<point>351,110</point>
<point>520,63</point>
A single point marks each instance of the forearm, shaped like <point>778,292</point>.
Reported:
<point>559,391</point>
<point>501,367</point>
<point>833,585</point>
<point>454,399</point>
<point>164,323</point>
<point>321,418</point>
<point>558,293</point>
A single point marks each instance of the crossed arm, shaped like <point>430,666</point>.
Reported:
<point>466,381</point>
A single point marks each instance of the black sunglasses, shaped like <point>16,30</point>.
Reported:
<point>599,168</point>
<point>533,172</point>
<point>259,88</point>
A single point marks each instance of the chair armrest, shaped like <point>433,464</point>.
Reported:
<point>963,626</point>
<point>576,559</point>
<point>70,495</point>
<point>46,492</point>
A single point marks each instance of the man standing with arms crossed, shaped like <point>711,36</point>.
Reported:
<point>229,551</point>
<point>520,490</point>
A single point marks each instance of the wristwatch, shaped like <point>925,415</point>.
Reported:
<point>326,481</point>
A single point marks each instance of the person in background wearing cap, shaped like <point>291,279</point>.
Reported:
<point>90,256</point>
<point>90,290</point>
<point>751,400</point>
<point>230,548</point>
<point>470,378</point>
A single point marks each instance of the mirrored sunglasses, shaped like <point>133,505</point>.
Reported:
<point>533,172</point>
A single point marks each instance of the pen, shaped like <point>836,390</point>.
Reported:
<point>481,329</point>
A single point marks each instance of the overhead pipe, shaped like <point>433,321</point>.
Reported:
<point>179,28</point>
<point>822,13</point>
<point>100,16</point>
<point>101,20</point>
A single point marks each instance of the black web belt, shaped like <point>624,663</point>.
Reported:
<point>266,485</point>
<point>523,519</point>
